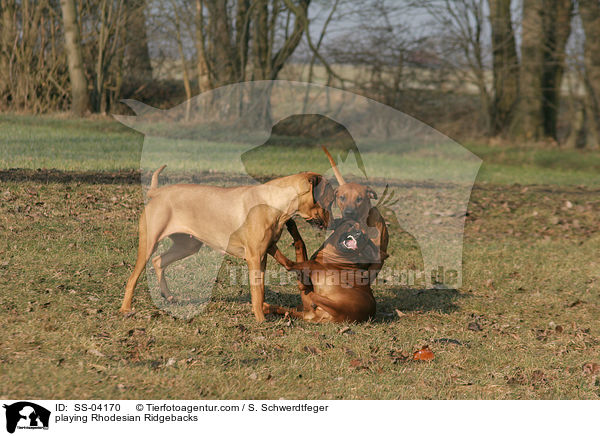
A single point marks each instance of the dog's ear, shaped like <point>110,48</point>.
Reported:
<point>314,179</point>
<point>372,194</point>
<point>322,191</point>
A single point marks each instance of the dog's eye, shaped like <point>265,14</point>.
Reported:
<point>343,197</point>
<point>359,199</point>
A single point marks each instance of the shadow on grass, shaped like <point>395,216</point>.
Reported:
<point>119,177</point>
<point>404,299</point>
<point>416,300</point>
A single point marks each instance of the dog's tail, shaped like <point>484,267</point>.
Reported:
<point>336,171</point>
<point>154,183</point>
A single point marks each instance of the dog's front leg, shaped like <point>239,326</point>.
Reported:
<point>256,270</point>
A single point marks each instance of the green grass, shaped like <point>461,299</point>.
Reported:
<point>106,145</point>
<point>531,283</point>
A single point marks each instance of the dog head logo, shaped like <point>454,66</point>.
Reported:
<point>419,179</point>
<point>26,415</point>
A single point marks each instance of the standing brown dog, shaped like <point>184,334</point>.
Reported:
<point>242,221</point>
<point>354,201</point>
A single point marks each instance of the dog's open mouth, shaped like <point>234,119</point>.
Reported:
<point>350,242</point>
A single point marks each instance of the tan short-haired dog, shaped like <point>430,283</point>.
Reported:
<point>242,221</point>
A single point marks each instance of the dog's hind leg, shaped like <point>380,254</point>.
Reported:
<point>146,247</point>
<point>183,246</point>
<point>280,310</point>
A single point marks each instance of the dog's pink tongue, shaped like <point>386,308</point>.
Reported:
<point>351,244</point>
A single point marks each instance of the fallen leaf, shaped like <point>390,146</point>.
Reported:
<point>400,313</point>
<point>98,368</point>
<point>591,368</point>
<point>474,326</point>
<point>96,353</point>
<point>575,303</point>
<point>424,354</point>
<point>311,350</point>
<point>358,364</point>
<point>349,352</point>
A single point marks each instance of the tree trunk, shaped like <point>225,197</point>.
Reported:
<point>529,124</point>
<point>300,12</point>
<point>184,69</point>
<point>590,18</point>
<point>204,80</point>
<point>260,49</point>
<point>557,24</point>
<point>505,67</point>
<point>546,29</point>
<point>137,58</point>
<point>242,36</point>
<point>223,59</point>
<point>79,90</point>
<point>7,39</point>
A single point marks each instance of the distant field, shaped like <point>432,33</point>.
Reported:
<point>106,145</point>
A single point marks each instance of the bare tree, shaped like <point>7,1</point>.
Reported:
<point>184,67</point>
<point>589,10</point>
<point>106,21</point>
<point>8,34</point>
<point>546,28</point>
<point>461,30</point>
<point>228,34</point>
<point>138,69</point>
<point>557,29</point>
<point>505,67</point>
<point>269,60</point>
<point>379,46</point>
<point>80,97</point>
<point>204,77</point>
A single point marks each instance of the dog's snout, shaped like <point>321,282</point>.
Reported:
<point>349,213</point>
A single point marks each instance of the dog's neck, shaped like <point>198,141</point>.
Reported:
<point>289,196</point>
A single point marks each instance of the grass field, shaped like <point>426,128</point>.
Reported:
<point>521,326</point>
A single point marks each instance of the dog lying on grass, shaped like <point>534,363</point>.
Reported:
<point>335,283</point>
